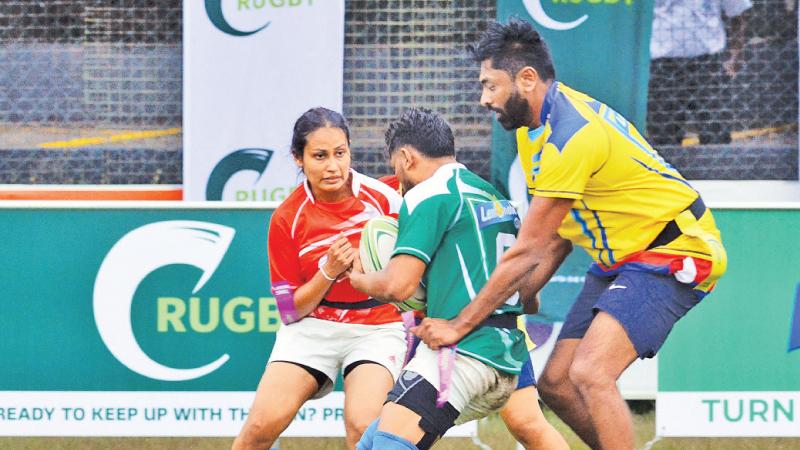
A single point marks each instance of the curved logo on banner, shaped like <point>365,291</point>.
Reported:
<point>536,10</point>
<point>243,159</point>
<point>215,15</point>
<point>130,260</point>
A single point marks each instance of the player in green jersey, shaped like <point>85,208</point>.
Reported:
<point>453,228</point>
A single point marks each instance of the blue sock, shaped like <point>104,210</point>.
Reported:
<point>365,443</point>
<point>389,441</point>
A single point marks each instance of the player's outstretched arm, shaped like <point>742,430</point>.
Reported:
<point>395,283</point>
<point>536,240</point>
<point>533,283</point>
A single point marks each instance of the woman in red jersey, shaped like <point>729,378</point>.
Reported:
<point>330,326</point>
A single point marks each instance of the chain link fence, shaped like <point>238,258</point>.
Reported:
<point>83,68</point>
<point>91,63</point>
<point>79,68</point>
<point>723,101</point>
<point>402,54</point>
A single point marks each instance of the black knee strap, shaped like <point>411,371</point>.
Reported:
<point>417,394</point>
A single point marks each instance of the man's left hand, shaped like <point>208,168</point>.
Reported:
<point>438,333</point>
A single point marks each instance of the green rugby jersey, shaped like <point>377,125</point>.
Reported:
<point>459,225</point>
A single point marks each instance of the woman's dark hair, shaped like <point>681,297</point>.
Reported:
<point>312,120</point>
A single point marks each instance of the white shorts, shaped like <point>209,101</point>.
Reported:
<point>329,346</point>
<point>476,389</point>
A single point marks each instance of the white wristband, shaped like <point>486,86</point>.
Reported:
<point>325,275</point>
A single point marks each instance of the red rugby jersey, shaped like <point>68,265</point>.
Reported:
<point>302,229</point>
<point>392,181</point>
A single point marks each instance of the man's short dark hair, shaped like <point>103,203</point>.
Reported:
<point>424,130</point>
<point>512,46</point>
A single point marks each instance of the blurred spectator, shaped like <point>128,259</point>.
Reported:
<point>691,70</point>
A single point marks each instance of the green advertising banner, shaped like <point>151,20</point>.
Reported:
<point>139,319</point>
<point>731,367</point>
<point>134,321</point>
<point>141,298</point>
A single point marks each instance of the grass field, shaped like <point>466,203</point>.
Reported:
<point>492,432</point>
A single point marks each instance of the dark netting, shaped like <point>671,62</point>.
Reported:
<point>97,63</point>
<point>719,117</point>
<point>89,68</point>
<point>400,54</point>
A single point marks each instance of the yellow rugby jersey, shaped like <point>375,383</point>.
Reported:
<point>625,193</point>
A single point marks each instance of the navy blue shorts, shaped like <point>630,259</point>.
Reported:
<point>647,305</point>
<point>526,377</point>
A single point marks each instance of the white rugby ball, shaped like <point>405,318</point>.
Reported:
<point>377,244</point>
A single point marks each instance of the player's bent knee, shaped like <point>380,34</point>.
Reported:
<point>579,374</point>
<point>251,437</point>
<point>389,441</point>
<point>519,419</point>
<point>522,422</point>
<point>551,388</point>
<point>417,394</point>
<point>517,428</point>
<point>365,443</point>
<point>522,428</point>
<point>261,429</point>
<point>356,431</point>
<point>586,376</point>
<point>358,425</point>
<point>546,383</point>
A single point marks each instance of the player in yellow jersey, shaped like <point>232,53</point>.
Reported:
<point>598,184</point>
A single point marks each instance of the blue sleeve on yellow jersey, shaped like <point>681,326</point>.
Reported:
<point>576,148</point>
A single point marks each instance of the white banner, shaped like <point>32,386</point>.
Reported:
<point>161,414</point>
<point>728,414</point>
<point>251,67</point>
